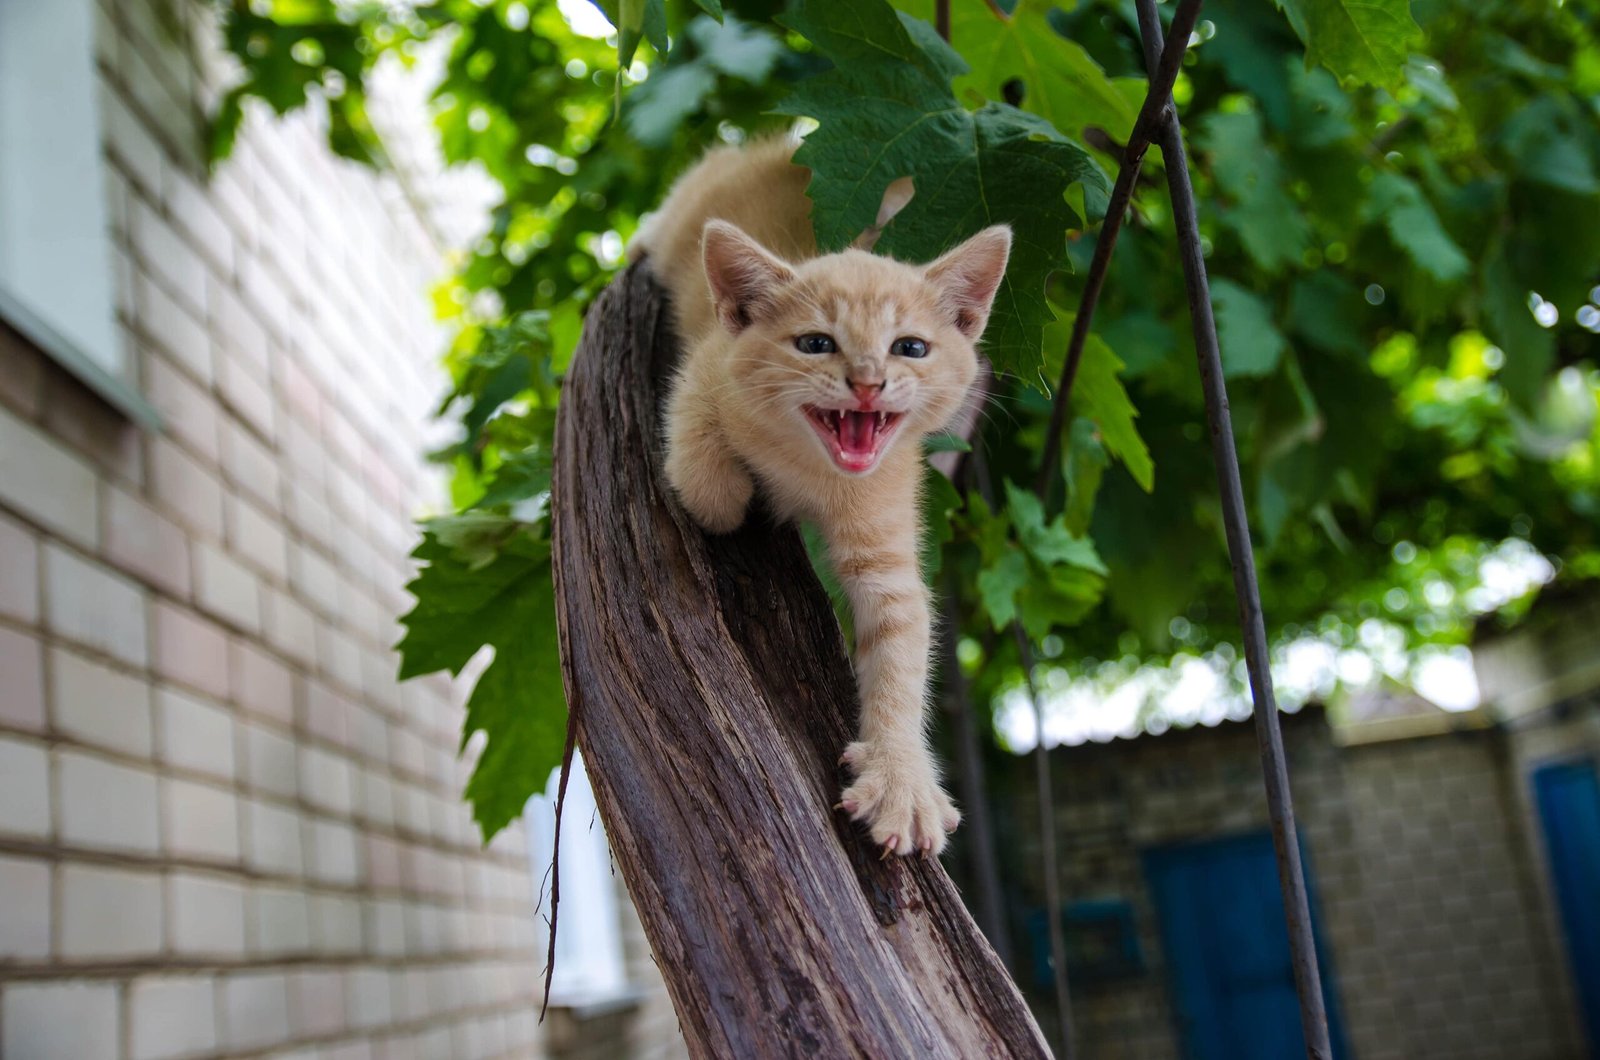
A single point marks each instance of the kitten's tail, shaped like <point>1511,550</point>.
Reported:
<point>743,184</point>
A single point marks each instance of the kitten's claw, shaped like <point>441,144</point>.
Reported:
<point>888,847</point>
<point>898,797</point>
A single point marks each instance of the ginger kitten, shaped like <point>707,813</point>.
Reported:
<point>815,379</point>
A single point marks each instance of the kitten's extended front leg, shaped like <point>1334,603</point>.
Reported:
<point>709,480</point>
<point>896,790</point>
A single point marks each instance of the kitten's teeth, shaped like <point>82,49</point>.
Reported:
<point>882,416</point>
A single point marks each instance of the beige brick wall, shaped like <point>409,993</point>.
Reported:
<point>1455,960</point>
<point>224,828</point>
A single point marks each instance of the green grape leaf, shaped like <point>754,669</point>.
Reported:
<point>939,498</point>
<point>1327,311</point>
<point>1530,350</point>
<point>822,565</point>
<point>1082,469</point>
<point>946,443</point>
<point>636,20</point>
<point>1361,41</point>
<point>711,7</point>
<point>1550,141</point>
<point>1061,598</point>
<point>1098,394</point>
<point>674,92</point>
<point>1049,543</point>
<point>225,126</point>
<point>658,107</point>
<point>1415,227</point>
<point>521,476</point>
<point>1141,338</point>
<point>887,111</point>
<point>508,604</point>
<point>998,585</point>
<point>1252,55</point>
<point>1061,82</point>
<point>736,48</point>
<point>1268,221</point>
<point>1251,343</point>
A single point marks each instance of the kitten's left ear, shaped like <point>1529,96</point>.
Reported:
<point>968,277</point>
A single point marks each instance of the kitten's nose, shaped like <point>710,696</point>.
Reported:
<point>866,393</point>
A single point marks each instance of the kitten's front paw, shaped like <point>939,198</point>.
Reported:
<point>716,499</point>
<point>898,797</point>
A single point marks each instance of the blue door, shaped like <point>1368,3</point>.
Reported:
<point>1569,810</point>
<point>1227,950</point>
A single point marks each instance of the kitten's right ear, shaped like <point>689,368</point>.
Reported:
<point>968,277</point>
<point>744,277</point>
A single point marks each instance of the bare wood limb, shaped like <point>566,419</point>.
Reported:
<point>712,697</point>
<point>555,860</point>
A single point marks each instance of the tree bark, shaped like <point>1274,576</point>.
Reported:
<point>712,696</point>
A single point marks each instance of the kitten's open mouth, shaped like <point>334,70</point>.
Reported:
<point>855,439</point>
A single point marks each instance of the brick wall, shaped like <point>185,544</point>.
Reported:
<point>224,828</point>
<point>1429,908</point>
<point>1543,679</point>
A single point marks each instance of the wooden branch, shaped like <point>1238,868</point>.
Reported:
<point>712,697</point>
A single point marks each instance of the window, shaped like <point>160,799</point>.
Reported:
<point>589,969</point>
<point>55,257</point>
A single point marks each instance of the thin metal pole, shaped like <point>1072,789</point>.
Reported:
<point>975,799</point>
<point>1047,842</point>
<point>1157,107</point>
<point>1149,119</point>
<point>1152,117</point>
<point>1055,929</point>
<point>1269,736</point>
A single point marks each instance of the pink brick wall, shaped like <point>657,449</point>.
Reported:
<point>224,828</point>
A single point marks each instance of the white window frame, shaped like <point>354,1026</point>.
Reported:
<point>56,283</point>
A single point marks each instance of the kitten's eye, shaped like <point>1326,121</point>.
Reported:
<point>909,347</point>
<point>815,344</point>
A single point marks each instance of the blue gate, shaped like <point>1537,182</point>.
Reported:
<point>1569,809</point>
<point>1227,950</point>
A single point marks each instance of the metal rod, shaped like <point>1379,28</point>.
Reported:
<point>1152,117</point>
<point>1047,806</point>
<point>1269,735</point>
<point>1047,842</point>
<point>976,816</point>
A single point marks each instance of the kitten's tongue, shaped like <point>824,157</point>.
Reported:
<point>856,432</point>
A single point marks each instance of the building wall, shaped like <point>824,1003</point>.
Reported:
<point>1543,678</point>
<point>1430,912</point>
<point>224,828</point>
<point>1458,954</point>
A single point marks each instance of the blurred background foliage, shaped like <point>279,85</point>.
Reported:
<point>1401,213</point>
